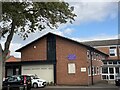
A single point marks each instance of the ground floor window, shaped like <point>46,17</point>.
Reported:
<point>95,70</point>
<point>105,77</point>
<point>71,68</point>
<point>111,70</point>
<point>105,70</point>
<point>109,73</point>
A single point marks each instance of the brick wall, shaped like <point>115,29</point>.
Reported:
<point>35,51</point>
<point>64,48</point>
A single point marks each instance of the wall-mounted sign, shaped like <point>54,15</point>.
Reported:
<point>71,57</point>
<point>83,69</point>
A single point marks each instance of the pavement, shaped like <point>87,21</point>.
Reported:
<point>98,85</point>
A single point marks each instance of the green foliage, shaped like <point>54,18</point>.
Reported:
<point>31,16</point>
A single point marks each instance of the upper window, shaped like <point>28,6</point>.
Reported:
<point>113,51</point>
<point>88,54</point>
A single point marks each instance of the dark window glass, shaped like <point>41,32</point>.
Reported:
<point>114,62</point>
<point>111,70</point>
<point>117,69</point>
<point>112,54</point>
<point>110,62</point>
<point>105,70</point>
<point>112,47</point>
<point>104,76</point>
<point>111,76</point>
<point>118,62</point>
<point>105,62</point>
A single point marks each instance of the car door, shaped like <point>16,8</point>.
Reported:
<point>13,81</point>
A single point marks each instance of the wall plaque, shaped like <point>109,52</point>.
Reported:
<point>71,57</point>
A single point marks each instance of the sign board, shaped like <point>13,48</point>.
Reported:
<point>71,57</point>
<point>83,69</point>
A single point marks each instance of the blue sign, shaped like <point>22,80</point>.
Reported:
<point>71,57</point>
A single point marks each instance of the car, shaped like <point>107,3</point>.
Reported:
<point>37,82</point>
<point>117,80</point>
<point>17,81</point>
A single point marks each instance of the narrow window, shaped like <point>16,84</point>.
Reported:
<point>89,70</point>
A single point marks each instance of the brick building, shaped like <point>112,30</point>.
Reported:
<point>61,60</point>
<point>13,66</point>
<point>111,65</point>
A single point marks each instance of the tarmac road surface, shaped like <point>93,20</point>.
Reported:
<point>77,88</point>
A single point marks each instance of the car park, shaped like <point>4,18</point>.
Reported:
<point>18,81</point>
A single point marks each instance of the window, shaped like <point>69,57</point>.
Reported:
<point>105,62</point>
<point>113,51</point>
<point>111,76</point>
<point>97,70</point>
<point>114,62</point>
<point>117,70</point>
<point>71,68</point>
<point>94,56</point>
<point>105,70</point>
<point>104,77</point>
<point>118,62</point>
<point>89,70</point>
<point>88,54</point>
<point>111,70</point>
<point>110,62</point>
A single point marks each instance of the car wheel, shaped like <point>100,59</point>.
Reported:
<point>35,85</point>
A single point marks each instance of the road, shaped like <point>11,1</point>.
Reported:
<point>78,88</point>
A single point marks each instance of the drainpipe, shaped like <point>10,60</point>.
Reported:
<point>91,65</point>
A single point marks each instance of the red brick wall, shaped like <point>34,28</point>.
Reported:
<point>64,48</point>
<point>106,50</point>
<point>30,53</point>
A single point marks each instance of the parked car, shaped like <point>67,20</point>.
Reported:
<point>117,80</point>
<point>18,80</point>
<point>37,82</point>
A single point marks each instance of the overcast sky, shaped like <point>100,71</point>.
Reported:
<point>94,21</point>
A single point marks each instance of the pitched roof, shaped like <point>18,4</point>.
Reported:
<point>85,45</point>
<point>13,59</point>
<point>103,42</point>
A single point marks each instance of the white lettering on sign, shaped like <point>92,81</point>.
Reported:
<point>83,69</point>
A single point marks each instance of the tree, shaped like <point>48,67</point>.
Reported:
<point>24,18</point>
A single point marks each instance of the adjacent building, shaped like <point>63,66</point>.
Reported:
<point>61,60</point>
<point>13,66</point>
<point>111,65</point>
